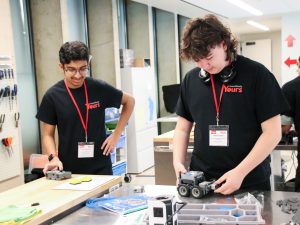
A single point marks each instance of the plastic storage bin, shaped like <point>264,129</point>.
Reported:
<point>113,156</point>
<point>119,169</point>
<point>111,114</point>
<point>121,143</point>
<point>220,214</point>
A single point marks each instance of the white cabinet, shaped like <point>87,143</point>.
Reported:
<point>142,126</point>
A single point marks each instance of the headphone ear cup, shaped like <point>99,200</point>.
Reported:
<point>228,74</point>
<point>204,76</point>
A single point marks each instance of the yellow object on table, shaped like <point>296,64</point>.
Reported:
<point>80,179</point>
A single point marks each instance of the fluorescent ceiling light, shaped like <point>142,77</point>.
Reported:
<point>258,25</point>
<point>246,7</point>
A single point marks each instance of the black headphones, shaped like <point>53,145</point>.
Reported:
<point>226,75</point>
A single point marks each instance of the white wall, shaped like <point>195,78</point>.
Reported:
<point>290,49</point>
<point>276,49</point>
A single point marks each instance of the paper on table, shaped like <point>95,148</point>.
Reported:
<point>84,186</point>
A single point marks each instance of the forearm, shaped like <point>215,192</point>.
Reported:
<point>49,146</point>
<point>265,144</point>
<point>180,144</point>
<point>125,115</point>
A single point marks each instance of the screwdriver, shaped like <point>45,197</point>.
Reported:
<point>1,93</point>
<point>12,73</point>
<point>15,92</point>
<point>5,73</point>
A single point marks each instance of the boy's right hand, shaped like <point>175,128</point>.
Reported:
<point>55,164</point>
<point>179,168</point>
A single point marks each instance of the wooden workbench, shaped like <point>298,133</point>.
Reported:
<point>51,202</point>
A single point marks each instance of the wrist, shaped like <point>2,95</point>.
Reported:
<point>242,171</point>
<point>52,156</point>
<point>118,133</point>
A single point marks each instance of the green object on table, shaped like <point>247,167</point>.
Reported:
<point>17,214</point>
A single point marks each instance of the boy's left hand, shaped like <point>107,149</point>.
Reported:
<point>110,143</point>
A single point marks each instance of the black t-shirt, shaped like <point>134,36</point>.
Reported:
<point>251,98</point>
<point>58,109</point>
<point>291,91</point>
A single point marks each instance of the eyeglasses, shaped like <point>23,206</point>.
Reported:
<point>73,71</point>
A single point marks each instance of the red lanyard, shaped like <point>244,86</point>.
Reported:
<point>215,97</point>
<point>85,125</point>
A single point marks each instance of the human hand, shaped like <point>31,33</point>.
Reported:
<point>179,168</point>
<point>110,143</point>
<point>230,182</point>
<point>55,164</point>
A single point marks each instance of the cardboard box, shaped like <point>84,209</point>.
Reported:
<point>141,62</point>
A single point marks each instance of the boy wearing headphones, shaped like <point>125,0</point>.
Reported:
<point>235,104</point>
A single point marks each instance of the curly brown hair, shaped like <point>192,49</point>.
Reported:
<point>200,35</point>
<point>73,50</point>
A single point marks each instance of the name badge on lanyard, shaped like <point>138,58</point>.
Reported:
<point>218,134</point>
<point>85,149</point>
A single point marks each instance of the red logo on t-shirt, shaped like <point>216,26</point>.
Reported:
<point>94,105</point>
<point>234,88</point>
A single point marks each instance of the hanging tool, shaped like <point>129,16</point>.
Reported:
<point>7,142</point>
<point>1,94</point>
<point>2,119</point>
<point>17,117</point>
<point>12,73</point>
<point>15,93</point>
<point>1,74</point>
<point>5,73</point>
<point>8,73</point>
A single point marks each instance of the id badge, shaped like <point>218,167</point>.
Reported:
<point>85,149</point>
<point>219,135</point>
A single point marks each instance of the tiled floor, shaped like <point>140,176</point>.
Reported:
<point>146,177</point>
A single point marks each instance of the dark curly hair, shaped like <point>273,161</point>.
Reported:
<point>74,50</point>
<point>200,35</point>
